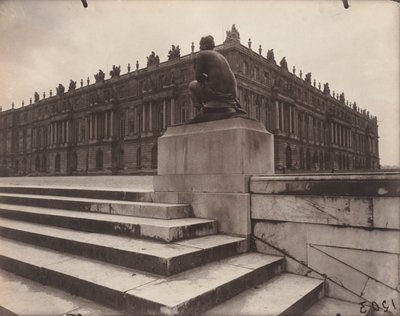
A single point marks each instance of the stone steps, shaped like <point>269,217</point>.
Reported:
<point>286,294</point>
<point>130,208</point>
<point>92,193</point>
<point>190,292</point>
<point>164,230</point>
<point>145,255</point>
<point>20,296</point>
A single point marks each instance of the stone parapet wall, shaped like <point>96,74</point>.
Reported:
<point>344,228</point>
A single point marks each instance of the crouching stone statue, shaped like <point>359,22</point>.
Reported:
<point>214,91</point>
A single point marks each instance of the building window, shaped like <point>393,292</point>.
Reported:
<point>16,166</point>
<point>121,159</point>
<point>74,162</point>
<point>44,163</point>
<point>139,158</point>
<point>154,157</point>
<point>121,128</point>
<point>302,166</point>
<point>288,157</point>
<point>245,68</point>
<point>99,159</point>
<point>57,163</point>
<point>37,163</point>
<point>308,160</point>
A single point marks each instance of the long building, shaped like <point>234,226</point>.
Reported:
<point>111,126</point>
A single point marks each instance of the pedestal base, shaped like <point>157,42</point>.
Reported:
<point>209,165</point>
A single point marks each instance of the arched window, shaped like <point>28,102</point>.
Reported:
<point>57,163</point>
<point>99,159</point>
<point>139,158</point>
<point>154,157</point>
<point>288,157</point>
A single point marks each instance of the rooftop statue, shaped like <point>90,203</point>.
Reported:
<point>153,59</point>
<point>284,63</point>
<point>270,55</point>
<point>214,91</point>
<point>36,97</point>
<point>60,89</point>
<point>174,53</point>
<point>72,85</point>
<point>342,98</point>
<point>326,88</point>
<point>232,35</point>
<point>308,78</point>
<point>99,76</point>
<point>115,71</point>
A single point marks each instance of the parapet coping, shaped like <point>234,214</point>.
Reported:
<point>391,176</point>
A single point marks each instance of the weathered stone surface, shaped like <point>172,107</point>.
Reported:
<point>21,296</point>
<point>140,209</point>
<point>345,237</point>
<point>140,195</point>
<point>146,255</point>
<point>341,273</point>
<point>194,291</point>
<point>231,210</point>
<point>348,211</point>
<point>387,212</point>
<point>381,185</point>
<point>232,183</point>
<point>287,294</point>
<point>201,288</point>
<point>166,230</point>
<point>231,146</point>
<point>378,265</point>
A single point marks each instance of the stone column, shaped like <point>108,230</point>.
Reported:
<point>144,109</point>
<point>95,126</point>
<point>67,131</point>
<point>282,117</point>
<point>172,111</point>
<point>90,126</point>
<point>106,124</point>
<point>164,121</point>
<point>277,115</point>
<point>112,123</point>
<point>290,119</point>
<point>150,116</point>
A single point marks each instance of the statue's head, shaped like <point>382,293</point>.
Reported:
<point>207,43</point>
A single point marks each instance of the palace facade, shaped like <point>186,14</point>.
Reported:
<point>111,126</point>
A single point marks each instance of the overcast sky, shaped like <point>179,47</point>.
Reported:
<point>44,43</point>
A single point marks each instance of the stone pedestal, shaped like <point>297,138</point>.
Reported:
<point>209,165</point>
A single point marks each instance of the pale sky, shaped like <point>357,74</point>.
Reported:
<point>44,43</point>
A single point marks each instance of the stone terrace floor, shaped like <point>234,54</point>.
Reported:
<point>118,183</point>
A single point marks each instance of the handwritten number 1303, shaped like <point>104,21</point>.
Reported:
<point>375,306</point>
